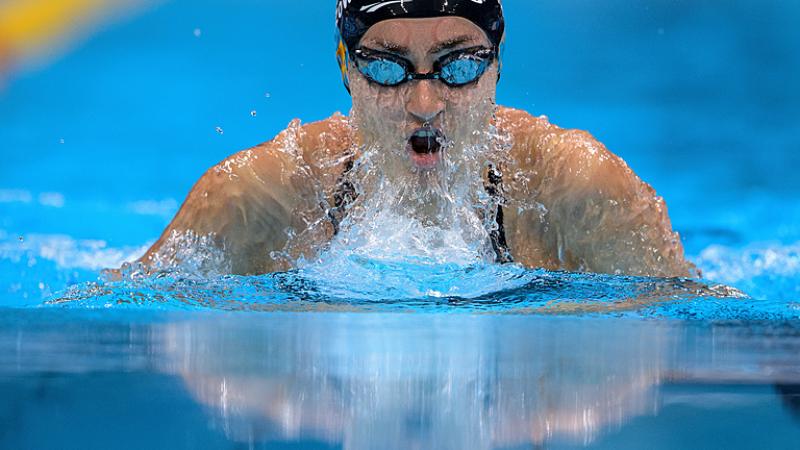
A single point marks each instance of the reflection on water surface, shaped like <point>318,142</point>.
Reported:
<point>407,380</point>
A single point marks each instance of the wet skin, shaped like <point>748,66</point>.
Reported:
<point>594,213</point>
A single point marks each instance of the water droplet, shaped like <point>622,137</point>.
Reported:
<point>197,32</point>
<point>61,141</point>
<point>267,95</point>
<point>220,130</point>
<point>41,286</point>
<point>253,113</point>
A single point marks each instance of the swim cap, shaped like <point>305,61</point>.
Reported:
<point>355,17</point>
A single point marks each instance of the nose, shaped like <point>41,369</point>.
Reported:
<point>425,101</point>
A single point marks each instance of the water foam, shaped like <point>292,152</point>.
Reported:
<point>763,270</point>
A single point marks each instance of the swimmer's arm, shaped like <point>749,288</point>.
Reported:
<point>244,205</point>
<point>239,211</point>
<point>607,219</point>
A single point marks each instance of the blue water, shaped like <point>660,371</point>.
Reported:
<point>101,141</point>
<point>133,379</point>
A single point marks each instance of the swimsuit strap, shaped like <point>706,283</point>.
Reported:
<point>346,193</point>
<point>498,235</point>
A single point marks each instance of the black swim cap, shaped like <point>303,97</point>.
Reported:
<point>355,17</point>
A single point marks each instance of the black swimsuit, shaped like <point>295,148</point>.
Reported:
<point>346,193</point>
<point>498,235</point>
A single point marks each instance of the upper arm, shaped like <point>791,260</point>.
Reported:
<point>609,219</point>
<point>582,208</point>
<point>231,209</point>
<point>244,207</point>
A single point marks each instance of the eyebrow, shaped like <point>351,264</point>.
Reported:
<point>391,47</point>
<point>451,43</point>
<point>446,45</point>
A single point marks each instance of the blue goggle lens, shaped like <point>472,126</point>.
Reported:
<point>463,70</point>
<point>384,71</point>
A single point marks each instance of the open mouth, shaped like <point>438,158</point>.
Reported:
<point>424,145</point>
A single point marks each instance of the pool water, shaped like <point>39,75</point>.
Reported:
<point>100,379</point>
<point>101,140</point>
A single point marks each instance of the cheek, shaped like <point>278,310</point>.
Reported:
<point>470,108</point>
<point>377,104</point>
<point>475,96</point>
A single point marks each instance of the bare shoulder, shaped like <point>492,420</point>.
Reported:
<point>600,215</point>
<point>312,144</point>
<point>316,149</point>
<point>299,150</point>
<point>283,168</point>
<point>520,124</point>
<point>326,138</point>
<point>247,200</point>
<point>554,153</point>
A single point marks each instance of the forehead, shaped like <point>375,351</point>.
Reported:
<point>425,33</point>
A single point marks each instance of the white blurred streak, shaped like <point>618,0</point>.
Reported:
<point>15,196</point>
<point>163,208</point>
<point>53,199</point>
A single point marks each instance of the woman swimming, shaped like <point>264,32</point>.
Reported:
<point>426,140</point>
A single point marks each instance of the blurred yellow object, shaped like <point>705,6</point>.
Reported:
<point>41,28</point>
<point>29,25</point>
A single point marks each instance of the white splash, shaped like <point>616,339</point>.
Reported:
<point>764,271</point>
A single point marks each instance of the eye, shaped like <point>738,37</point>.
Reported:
<point>383,71</point>
<point>463,70</point>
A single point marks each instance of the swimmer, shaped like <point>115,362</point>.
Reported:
<point>423,75</point>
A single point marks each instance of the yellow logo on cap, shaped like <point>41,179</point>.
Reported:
<point>341,57</point>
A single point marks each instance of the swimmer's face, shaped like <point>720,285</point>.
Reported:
<point>393,116</point>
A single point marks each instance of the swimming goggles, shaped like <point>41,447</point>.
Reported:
<point>455,69</point>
